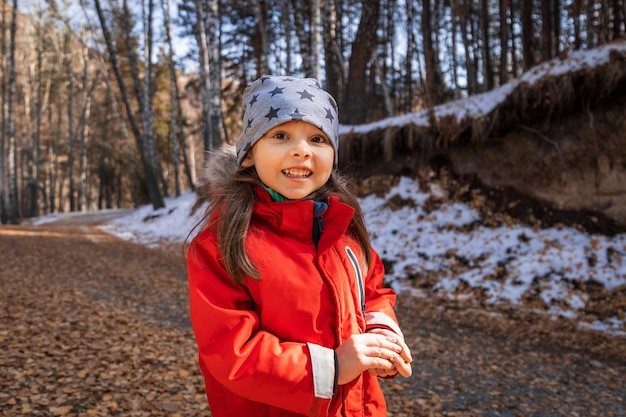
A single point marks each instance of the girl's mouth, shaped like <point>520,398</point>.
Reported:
<point>297,173</point>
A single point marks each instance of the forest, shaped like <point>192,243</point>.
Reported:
<point>114,103</point>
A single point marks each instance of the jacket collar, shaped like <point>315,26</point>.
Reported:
<point>295,217</point>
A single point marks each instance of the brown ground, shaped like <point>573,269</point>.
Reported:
<point>95,326</point>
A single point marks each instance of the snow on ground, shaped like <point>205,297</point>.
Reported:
<point>504,263</point>
<point>549,264</point>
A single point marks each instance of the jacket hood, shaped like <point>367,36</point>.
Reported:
<point>219,165</point>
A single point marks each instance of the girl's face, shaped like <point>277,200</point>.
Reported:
<point>294,159</point>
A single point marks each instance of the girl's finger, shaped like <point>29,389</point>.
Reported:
<point>403,368</point>
<point>387,354</point>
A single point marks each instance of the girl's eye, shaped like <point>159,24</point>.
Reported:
<point>319,139</point>
<point>279,135</point>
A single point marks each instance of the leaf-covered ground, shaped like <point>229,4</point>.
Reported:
<point>94,326</point>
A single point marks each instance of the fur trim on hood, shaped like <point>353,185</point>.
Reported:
<point>219,165</point>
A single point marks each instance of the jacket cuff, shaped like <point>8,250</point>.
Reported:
<point>323,365</point>
<point>377,319</point>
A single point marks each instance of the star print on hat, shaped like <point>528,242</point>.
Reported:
<point>272,100</point>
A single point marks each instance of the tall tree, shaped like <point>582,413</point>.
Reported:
<point>556,25</point>
<point>4,204</point>
<point>503,8</point>
<point>528,43</point>
<point>575,16</point>
<point>463,12</point>
<point>547,30</point>
<point>591,34</point>
<point>261,34</point>
<point>512,31</point>
<point>215,73</point>
<point>147,116</point>
<point>618,17</point>
<point>13,208</point>
<point>333,58</point>
<point>433,76</point>
<point>174,100</point>
<point>32,108</point>
<point>356,98</point>
<point>486,44</point>
<point>205,73</point>
<point>410,48</point>
<point>307,26</point>
<point>69,77</point>
<point>150,176</point>
<point>87,85</point>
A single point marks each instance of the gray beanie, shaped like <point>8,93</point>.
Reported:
<point>272,100</point>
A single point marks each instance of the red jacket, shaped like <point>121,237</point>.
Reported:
<point>266,348</point>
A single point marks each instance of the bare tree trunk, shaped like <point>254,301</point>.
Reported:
<point>604,35</point>
<point>486,44</point>
<point>13,209</point>
<point>410,45</point>
<point>433,77</point>
<point>465,13</point>
<point>70,125</point>
<point>617,18</point>
<point>301,11</point>
<point>387,107</point>
<point>152,186</point>
<point>174,141</point>
<point>332,54</point>
<point>576,12</point>
<point>355,99</point>
<point>286,23</point>
<point>205,71</point>
<point>35,90</point>
<point>54,151</point>
<point>454,23</point>
<point>528,45</point>
<point>215,74</point>
<point>623,11</point>
<point>147,118</point>
<point>591,36</point>
<point>512,32</point>
<point>82,156</point>
<point>261,48</point>
<point>4,203</point>
<point>314,62</point>
<point>504,41</point>
<point>556,28</point>
<point>87,87</point>
<point>546,30</point>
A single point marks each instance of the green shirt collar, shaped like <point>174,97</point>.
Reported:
<point>276,197</point>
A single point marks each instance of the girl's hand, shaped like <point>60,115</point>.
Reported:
<point>367,351</point>
<point>403,363</point>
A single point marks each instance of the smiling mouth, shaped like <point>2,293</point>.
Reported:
<point>297,173</point>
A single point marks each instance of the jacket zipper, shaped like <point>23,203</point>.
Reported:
<point>359,278</point>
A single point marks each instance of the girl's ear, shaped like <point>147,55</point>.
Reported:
<point>247,161</point>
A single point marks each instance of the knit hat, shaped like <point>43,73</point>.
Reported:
<point>272,100</point>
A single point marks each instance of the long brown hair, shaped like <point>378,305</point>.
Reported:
<point>230,211</point>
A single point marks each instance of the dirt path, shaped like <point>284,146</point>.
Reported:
<point>95,326</point>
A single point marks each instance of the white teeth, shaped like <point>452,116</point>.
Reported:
<point>297,173</point>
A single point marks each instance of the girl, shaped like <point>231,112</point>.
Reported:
<point>286,296</point>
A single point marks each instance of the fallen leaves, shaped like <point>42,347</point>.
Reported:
<point>87,345</point>
<point>99,327</point>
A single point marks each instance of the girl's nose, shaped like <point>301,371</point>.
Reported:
<point>301,149</point>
